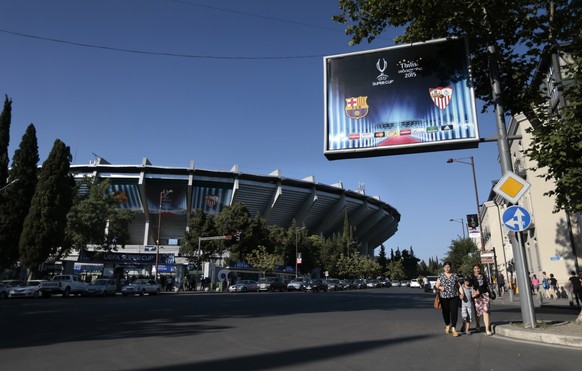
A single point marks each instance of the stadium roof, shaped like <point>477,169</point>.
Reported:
<point>321,208</point>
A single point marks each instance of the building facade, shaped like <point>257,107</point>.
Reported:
<point>553,241</point>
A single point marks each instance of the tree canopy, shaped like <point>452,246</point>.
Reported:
<point>520,31</point>
<point>44,227</point>
<point>17,196</point>
<point>513,37</point>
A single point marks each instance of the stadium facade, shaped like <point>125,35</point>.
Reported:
<point>177,192</point>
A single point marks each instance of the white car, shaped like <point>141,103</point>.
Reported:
<point>141,287</point>
<point>298,284</point>
<point>244,286</point>
<point>415,284</point>
<point>28,290</point>
<point>101,287</point>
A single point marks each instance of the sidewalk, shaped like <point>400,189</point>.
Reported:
<point>555,318</point>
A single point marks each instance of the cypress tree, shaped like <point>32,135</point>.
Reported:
<point>14,208</point>
<point>44,227</point>
<point>5,120</point>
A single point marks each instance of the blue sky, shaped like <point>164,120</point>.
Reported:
<point>219,82</point>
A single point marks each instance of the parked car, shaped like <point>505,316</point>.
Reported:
<point>101,287</point>
<point>347,284</point>
<point>28,289</point>
<point>333,284</point>
<point>271,284</point>
<point>360,284</point>
<point>405,283</point>
<point>141,287</point>
<point>7,285</point>
<point>385,282</point>
<point>373,284</point>
<point>244,286</point>
<point>415,284</point>
<point>316,285</point>
<point>396,283</point>
<point>298,284</point>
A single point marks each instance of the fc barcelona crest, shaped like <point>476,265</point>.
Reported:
<point>441,96</point>
<point>356,108</point>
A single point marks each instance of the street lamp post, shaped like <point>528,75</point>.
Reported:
<point>472,163</point>
<point>163,194</point>
<point>297,229</point>
<point>462,221</point>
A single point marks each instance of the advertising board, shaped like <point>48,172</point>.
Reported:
<point>402,99</point>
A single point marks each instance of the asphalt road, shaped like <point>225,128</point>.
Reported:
<point>374,329</point>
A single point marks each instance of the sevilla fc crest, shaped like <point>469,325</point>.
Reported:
<point>357,107</point>
<point>441,96</point>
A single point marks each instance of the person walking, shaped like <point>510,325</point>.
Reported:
<point>546,285</point>
<point>575,288</point>
<point>553,287</point>
<point>482,300</point>
<point>466,294</point>
<point>535,283</point>
<point>501,284</point>
<point>447,286</point>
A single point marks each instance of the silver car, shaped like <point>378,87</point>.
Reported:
<point>101,287</point>
<point>244,286</point>
<point>7,285</point>
<point>141,287</point>
<point>27,290</point>
<point>298,284</point>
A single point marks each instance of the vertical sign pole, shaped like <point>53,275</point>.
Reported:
<point>525,297</point>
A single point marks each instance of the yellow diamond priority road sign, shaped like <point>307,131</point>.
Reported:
<point>511,187</point>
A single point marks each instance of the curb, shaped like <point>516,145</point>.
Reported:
<point>532,335</point>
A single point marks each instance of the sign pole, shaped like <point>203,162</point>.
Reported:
<point>525,297</point>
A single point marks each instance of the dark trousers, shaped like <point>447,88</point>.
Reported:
<point>450,309</point>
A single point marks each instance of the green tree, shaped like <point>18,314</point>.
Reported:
<point>236,220</point>
<point>382,258</point>
<point>434,266</point>
<point>201,225</point>
<point>395,270</point>
<point>17,196</point>
<point>462,254</point>
<point>44,227</point>
<point>282,243</point>
<point>95,217</point>
<point>330,251</point>
<point>5,122</point>
<point>262,260</point>
<point>423,269</point>
<point>557,137</point>
<point>410,263</point>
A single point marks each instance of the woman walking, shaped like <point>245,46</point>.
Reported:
<point>447,286</point>
<point>482,300</point>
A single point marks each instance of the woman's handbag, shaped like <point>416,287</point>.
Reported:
<point>437,302</point>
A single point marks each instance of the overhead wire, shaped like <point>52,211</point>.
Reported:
<point>183,55</point>
<point>165,54</point>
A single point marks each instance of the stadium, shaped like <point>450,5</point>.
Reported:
<point>162,198</point>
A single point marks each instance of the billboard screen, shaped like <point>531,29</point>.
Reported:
<point>403,99</point>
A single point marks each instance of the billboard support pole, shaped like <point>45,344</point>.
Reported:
<point>527,310</point>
